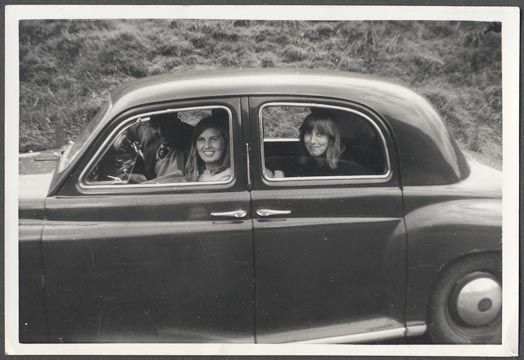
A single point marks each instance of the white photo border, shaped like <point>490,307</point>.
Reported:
<point>508,16</point>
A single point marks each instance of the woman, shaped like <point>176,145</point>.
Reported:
<point>321,148</point>
<point>209,154</point>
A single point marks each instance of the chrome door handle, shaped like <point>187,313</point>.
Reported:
<point>269,212</point>
<point>235,213</point>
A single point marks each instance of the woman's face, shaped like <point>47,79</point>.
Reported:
<point>316,143</point>
<point>210,146</point>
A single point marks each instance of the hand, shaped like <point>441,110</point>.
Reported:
<point>136,179</point>
<point>278,174</point>
<point>273,174</point>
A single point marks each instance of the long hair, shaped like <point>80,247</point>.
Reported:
<point>194,165</point>
<point>322,121</point>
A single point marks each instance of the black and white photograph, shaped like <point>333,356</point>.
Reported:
<point>249,180</point>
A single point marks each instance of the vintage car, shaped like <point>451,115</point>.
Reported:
<point>390,232</point>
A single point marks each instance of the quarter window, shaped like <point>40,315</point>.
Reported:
<point>167,147</point>
<point>311,140</point>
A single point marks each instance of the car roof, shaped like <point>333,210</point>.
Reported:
<point>356,87</point>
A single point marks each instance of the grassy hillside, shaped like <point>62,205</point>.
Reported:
<point>65,66</point>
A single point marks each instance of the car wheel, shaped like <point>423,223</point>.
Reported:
<point>467,301</point>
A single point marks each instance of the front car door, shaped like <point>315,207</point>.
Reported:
<point>166,260</point>
<point>330,248</point>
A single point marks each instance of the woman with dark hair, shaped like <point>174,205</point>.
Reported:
<point>321,148</point>
<point>320,144</point>
<point>209,158</point>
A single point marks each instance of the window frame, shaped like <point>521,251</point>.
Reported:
<point>382,178</point>
<point>135,119</point>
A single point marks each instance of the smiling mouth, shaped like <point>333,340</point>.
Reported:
<point>208,153</point>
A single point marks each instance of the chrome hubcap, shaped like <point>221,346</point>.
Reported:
<point>479,301</point>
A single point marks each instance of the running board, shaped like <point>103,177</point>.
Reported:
<point>414,330</point>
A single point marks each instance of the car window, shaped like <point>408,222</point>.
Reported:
<point>191,145</point>
<point>308,141</point>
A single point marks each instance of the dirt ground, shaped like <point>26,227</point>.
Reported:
<point>38,162</point>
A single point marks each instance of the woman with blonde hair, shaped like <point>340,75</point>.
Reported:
<point>209,158</point>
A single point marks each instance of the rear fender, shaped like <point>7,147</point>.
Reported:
<point>441,233</point>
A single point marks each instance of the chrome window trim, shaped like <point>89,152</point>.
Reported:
<point>368,178</point>
<point>139,118</point>
<point>282,139</point>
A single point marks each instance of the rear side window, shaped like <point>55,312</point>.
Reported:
<point>310,141</point>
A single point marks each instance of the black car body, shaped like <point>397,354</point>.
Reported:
<point>414,245</point>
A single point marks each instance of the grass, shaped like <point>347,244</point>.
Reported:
<point>66,66</point>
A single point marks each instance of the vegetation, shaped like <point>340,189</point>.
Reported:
<point>67,66</point>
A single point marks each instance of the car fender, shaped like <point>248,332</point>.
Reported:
<point>441,233</point>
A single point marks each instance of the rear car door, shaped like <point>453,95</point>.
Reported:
<point>329,249</point>
<point>150,262</point>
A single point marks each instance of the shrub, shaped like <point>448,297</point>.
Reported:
<point>228,60</point>
<point>241,23</point>
<point>437,29</point>
<point>35,32</point>
<point>262,35</point>
<point>268,60</point>
<point>168,49</point>
<point>292,53</point>
<point>69,47</point>
<point>225,36</point>
<point>348,64</point>
<point>201,42</point>
<point>281,39</point>
<point>319,33</point>
<point>350,30</point>
<point>124,53</point>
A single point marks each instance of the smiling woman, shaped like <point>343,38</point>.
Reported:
<point>209,158</point>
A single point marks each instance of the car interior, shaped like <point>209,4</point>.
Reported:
<point>362,143</point>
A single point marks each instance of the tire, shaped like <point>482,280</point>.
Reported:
<point>459,316</point>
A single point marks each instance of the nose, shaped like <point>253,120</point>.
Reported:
<point>314,138</point>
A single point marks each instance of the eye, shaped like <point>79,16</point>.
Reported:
<point>201,140</point>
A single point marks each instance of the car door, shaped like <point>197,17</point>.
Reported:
<point>330,250</point>
<point>160,262</point>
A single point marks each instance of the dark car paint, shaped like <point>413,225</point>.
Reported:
<point>157,267</point>
<point>429,178</point>
<point>32,314</point>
